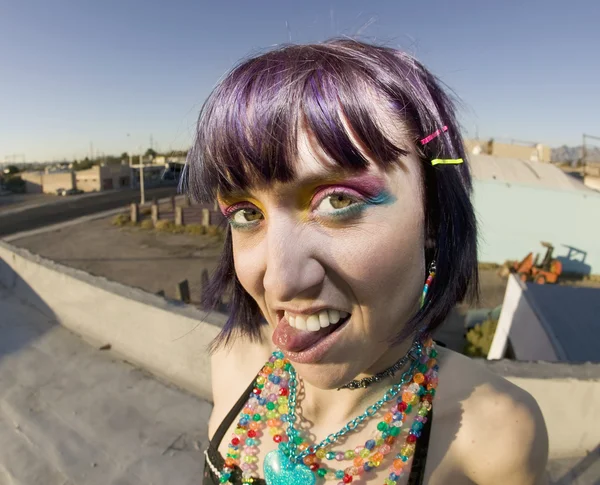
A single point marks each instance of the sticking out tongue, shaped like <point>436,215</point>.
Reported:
<point>293,340</point>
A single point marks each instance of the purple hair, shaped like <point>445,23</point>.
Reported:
<point>247,134</point>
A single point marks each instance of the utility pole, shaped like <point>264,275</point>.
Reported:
<point>142,192</point>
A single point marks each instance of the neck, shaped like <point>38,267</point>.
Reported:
<point>349,403</point>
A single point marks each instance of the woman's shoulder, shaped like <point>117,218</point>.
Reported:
<point>233,368</point>
<point>498,431</point>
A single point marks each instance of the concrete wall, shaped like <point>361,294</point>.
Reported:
<point>119,176</point>
<point>568,395</point>
<point>538,152</point>
<point>513,219</point>
<point>88,180</point>
<point>33,182</point>
<point>59,180</point>
<point>521,324</point>
<point>167,338</point>
<point>593,182</point>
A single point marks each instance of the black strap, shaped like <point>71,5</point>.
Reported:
<point>417,469</point>
<point>233,413</point>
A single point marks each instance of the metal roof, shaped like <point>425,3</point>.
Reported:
<point>571,317</point>
<point>524,172</point>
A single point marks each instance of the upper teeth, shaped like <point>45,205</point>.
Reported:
<point>316,321</point>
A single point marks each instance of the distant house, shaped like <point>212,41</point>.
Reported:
<point>554,323</point>
<point>95,179</point>
<point>48,182</point>
<point>103,177</point>
<point>535,152</point>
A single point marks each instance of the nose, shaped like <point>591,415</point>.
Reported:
<point>291,271</point>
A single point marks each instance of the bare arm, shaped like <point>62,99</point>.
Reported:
<point>510,440</point>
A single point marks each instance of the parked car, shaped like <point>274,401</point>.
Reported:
<point>66,192</point>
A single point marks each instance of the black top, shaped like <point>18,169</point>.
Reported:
<point>417,471</point>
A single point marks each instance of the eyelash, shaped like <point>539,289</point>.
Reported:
<point>355,208</point>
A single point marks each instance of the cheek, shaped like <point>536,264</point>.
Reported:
<point>384,264</point>
<point>246,268</point>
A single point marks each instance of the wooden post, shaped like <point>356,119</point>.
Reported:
<point>186,201</point>
<point>173,205</point>
<point>183,291</point>
<point>155,213</point>
<point>205,217</point>
<point>203,286</point>
<point>135,213</point>
<point>179,216</point>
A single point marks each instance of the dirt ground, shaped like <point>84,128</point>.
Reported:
<point>149,260</point>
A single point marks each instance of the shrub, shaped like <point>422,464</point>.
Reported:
<point>147,224</point>
<point>164,226</point>
<point>15,184</point>
<point>121,220</point>
<point>195,229</point>
<point>214,231</point>
<point>479,338</point>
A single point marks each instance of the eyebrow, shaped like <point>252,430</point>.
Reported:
<point>333,175</point>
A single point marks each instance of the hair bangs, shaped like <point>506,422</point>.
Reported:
<point>248,129</point>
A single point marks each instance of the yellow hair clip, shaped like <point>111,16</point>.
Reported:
<point>449,161</point>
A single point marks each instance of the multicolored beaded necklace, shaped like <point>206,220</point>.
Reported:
<point>272,405</point>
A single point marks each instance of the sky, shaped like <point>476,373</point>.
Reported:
<point>105,77</point>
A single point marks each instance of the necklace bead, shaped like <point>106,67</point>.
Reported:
<point>272,405</point>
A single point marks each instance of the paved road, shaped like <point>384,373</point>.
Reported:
<point>71,414</point>
<point>35,217</point>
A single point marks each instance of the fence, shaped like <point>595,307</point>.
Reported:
<point>180,215</point>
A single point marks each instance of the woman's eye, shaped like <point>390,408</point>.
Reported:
<point>335,202</point>
<point>244,216</point>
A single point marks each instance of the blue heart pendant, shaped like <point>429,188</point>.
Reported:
<point>279,470</point>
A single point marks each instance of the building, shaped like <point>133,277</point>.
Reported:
<point>534,152</point>
<point>103,177</point>
<point>520,203</point>
<point>553,323</point>
<point>95,179</point>
<point>48,182</point>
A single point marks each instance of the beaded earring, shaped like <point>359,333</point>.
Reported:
<point>428,282</point>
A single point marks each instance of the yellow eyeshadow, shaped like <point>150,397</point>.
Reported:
<point>306,192</point>
<point>229,201</point>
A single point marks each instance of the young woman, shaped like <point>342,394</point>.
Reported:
<point>341,171</point>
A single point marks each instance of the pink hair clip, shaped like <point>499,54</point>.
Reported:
<point>427,139</point>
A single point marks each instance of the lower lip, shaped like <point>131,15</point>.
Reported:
<point>314,354</point>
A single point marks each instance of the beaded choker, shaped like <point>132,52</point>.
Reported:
<point>272,405</point>
<point>389,372</point>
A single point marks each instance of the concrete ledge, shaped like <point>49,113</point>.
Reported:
<point>554,385</point>
<point>165,337</point>
<point>586,371</point>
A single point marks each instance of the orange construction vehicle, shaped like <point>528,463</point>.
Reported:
<point>546,271</point>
